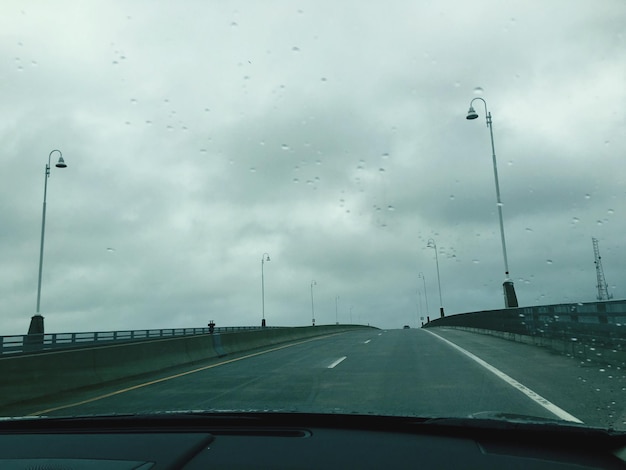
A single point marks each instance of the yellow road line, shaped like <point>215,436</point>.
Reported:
<point>165,379</point>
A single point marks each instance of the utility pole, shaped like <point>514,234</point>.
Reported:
<point>603,291</point>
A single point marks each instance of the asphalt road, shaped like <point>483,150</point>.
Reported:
<point>403,372</point>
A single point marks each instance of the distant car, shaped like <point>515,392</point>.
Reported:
<point>406,327</point>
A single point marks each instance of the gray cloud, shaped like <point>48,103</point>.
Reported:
<point>332,136</point>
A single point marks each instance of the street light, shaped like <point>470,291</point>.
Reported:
<point>432,244</point>
<point>510,299</point>
<point>425,295</point>
<point>336,311</point>
<point>313,283</point>
<point>265,257</point>
<point>36,321</point>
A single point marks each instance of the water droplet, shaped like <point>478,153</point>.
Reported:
<point>252,170</point>
<point>575,220</point>
<point>457,84</point>
<point>611,212</point>
<point>234,24</point>
<point>149,122</point>
<point>324,79</point>
<point>202,150</point>
<point>529,230</point>
<point>34,63</point>
<point>385,156</point>
<point>284,147</point>
<point>499,204</point>
<point>296,180</point>
<point>599,222</point>
<point>452,197</point>
<point>391,208</point>
<point>295,49</point>
<point>510,163</point>
<point>133,101</point>
<point>381,169</point>
<point>587,196</point>
<point>478,90</point>
<point>476,261</point>
<point>549,261</point>
<point>607,142</point>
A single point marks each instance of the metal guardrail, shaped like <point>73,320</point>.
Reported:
<point>598,323</point>
<point>28,344</point>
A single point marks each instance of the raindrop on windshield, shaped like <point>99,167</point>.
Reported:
<point>575,220</point>
<point>252,170</point>
<point>478,90</point>
<point>284,147</point>
<point>611,212</point>
<point>529,230</point>
<point>587,196</point>
<point>549,261</point>
<point>295,49</point>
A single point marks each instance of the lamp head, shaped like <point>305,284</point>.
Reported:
<point>471,114</point>
<point>61,163</point>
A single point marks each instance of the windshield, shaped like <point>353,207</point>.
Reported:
<point>391,208</point>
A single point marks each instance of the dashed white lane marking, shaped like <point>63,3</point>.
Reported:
<point>551,407</point>
<point>338,361</point>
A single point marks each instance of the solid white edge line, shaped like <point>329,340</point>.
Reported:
<point>338,361</point>
<point>551,407</point>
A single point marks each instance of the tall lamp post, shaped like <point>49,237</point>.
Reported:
<point>265,257</point>
<point>425,296</point>
<point>336,311</point>
<point>432,244</point>
<point>36,322</point>
<point>313,283</point>
<point>510,298</point>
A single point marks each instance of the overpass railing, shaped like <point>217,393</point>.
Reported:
<point>598,323</point>
<point>20,344</point>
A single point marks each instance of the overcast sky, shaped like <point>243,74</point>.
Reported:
<point>330,134</point>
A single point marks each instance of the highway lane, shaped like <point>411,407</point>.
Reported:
<point>371,371</point>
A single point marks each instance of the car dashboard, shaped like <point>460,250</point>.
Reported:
<point>294,440</point>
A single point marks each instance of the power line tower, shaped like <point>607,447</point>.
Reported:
<point>603,291</point>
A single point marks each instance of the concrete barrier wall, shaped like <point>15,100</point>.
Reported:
<point>31,377</point>
<point>580,350</point>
